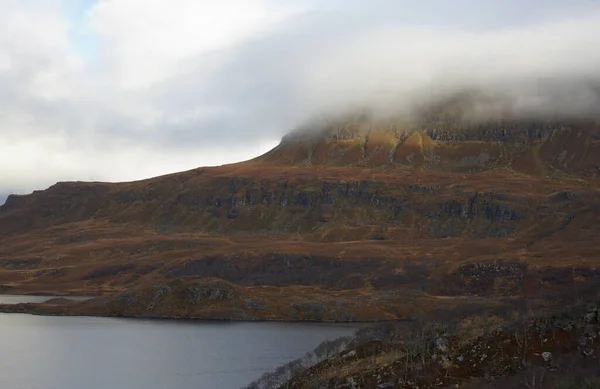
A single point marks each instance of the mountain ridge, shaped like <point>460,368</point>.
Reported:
<point>330,211</point>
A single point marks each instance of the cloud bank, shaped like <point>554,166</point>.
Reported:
<point>174,85</point>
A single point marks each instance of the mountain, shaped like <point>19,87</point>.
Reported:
<point>358,218</point>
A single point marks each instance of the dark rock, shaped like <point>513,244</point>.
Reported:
<point>568,195</point>
<point>20,264</point>
<point>109,271</point>
<point>127,297</point>
<point>500,279</point>
<point>159,292</point>
<point>144,270</point>
<point>209,290</point>
<point>52,273</point>
<point>278,269</point>
<point>310,310</point>
<point>424,188</point>
<point>343,315</point>
<point>255,304</point>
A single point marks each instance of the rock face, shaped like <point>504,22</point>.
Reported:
<point>307,205</point>
<point>447,144</point>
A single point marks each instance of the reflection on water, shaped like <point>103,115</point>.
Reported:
<point>16,299</point>
<point>41,352</point>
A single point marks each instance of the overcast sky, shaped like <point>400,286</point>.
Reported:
<point>126,89</point>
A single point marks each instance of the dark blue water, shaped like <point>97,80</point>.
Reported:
<point>38,352</point>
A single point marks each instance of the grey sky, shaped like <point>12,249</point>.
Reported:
<point>113,90</point>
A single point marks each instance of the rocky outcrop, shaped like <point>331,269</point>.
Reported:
<point>438,356</point>
<point>284,270</point>
<point>309,310</point>
<point>204,291</point>
<point>487,279</point>
<point>109,271</point>
<point>25,263</point>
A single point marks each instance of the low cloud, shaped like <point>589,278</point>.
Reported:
<point>169,91</point>
<point>327,64</point>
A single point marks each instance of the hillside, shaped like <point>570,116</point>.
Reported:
<point>359,219</point>
<point>554,347</point>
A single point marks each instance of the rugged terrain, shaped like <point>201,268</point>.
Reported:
<point>359,219</point>
<point>555,347</point>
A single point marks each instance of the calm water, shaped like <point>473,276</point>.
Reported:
<point>38,352</point>
<point>15,299</point>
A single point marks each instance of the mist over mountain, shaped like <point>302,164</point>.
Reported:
<point>129,99</point>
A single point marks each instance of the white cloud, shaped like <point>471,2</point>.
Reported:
<point>62,120</point>
<point>149,41</point>
<point>187,83</point>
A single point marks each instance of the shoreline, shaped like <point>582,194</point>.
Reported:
<point>19,309</point>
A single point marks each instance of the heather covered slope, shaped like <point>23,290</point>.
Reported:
<point>554,347</point>
<point>359,207</point>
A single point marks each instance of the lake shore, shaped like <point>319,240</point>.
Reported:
<point>63,307</point>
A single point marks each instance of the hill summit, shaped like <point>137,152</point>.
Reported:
<point>446,143</point>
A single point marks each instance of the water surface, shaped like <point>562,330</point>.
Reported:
<point>16,299</point>
<point>42,352</point>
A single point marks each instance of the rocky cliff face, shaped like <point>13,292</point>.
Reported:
<point>319,208</point>
<point>447,144</point>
